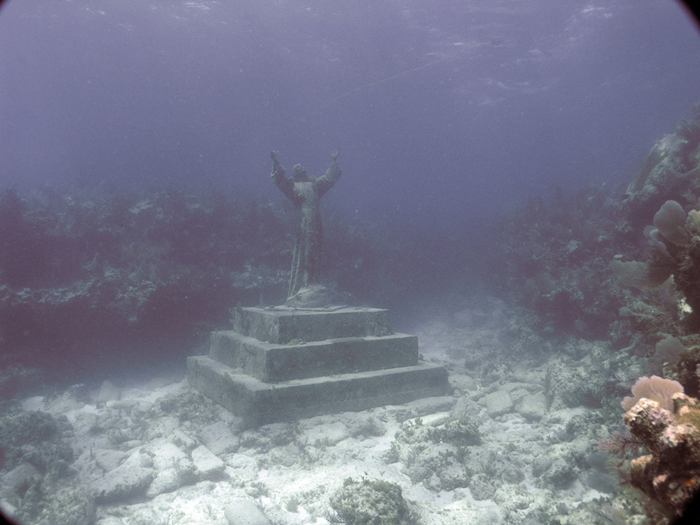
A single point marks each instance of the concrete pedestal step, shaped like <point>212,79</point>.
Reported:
<point>259,402</point>
<point>272,362</point>
<point>282,325</point>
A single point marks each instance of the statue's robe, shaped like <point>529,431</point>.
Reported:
<point>306,196</point>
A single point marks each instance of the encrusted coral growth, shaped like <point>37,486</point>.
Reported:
<point>674,243</point>
<point>675,252</point>
<point>670,473</point>
<point>34,437</point>
<point>37,484</point>
<point>670,171</point>
<point>436,455</point>
<point>371,502</point>
<point>670,241</point>
<point>687,367</point>
<point>556,252</point>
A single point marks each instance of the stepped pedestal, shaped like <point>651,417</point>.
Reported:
<point>283,363</point>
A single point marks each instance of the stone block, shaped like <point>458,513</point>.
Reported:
<point>497,403</point>
<point>19,478</point>
<point>183,440</point>
<point>219,438</point>
<point>274,362</point>
<point>206,464</point>
<point>108,459</point>
<point>284,325</point>
<point>532,406</point>
<point>244,511</point>
<point>130,479</point>
<point>258,402</point>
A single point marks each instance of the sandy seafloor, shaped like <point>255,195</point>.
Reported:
<point>533,463</point>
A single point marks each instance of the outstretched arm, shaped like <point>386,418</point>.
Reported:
<point>326,181</point>
<point>283,183</point>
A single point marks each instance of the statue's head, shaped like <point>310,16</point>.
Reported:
<point>299,173</point>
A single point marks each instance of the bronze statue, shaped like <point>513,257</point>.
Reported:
<point>306,192</point>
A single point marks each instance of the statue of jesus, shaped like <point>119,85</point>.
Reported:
<point>306,192</point>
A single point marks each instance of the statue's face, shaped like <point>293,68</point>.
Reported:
<point>299,173</point>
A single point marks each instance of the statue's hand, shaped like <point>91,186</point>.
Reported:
<point>276,166</point>
<point>333,171</point>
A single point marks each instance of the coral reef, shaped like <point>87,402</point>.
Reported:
<point>687,367</point>
<point>674,244</point>
<point>586,374</point>
<point>64,501</point>
<point>670,171</point>
<point>37,484</point>
<point>553,267</point>
<point>35,438</point>
<point>660,321</point>
<point>670,472</point>
<point>119,272</point>
<point>554,254</point>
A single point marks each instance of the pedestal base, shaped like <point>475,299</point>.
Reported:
<point>284,363</point>
<point>258,402</point>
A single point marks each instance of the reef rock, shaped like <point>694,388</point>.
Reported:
<point>670,474</point>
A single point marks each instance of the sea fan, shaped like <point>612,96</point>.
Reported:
<point>655,388</point>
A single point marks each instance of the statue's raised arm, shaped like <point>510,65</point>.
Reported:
<point>285,185</point>
<point>326,181</point>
